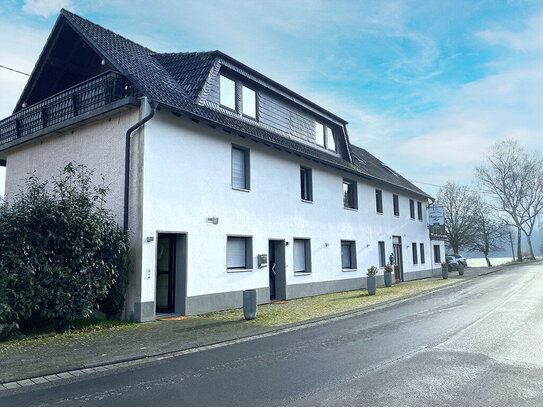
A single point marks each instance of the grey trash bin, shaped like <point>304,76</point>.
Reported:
<point>249,304</point>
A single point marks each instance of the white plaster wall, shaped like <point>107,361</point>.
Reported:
<point>187,178</point>
<point>99,145</point>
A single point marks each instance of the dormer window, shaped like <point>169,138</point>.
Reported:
<point>227,93</point>
<point>324,136</point>
<point>229,96</point>
<point>319,134</point>
<point>248,97</point>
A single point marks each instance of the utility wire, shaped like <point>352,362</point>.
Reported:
<point>14,70</point>
<point>439,186</point>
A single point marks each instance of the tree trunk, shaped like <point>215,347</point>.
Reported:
<point>512,247</point>
<point>519,244</point>
<point>488,261</point>
<point>529,238</point>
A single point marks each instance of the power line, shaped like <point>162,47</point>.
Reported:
<point>439,186</point>
<point>14,70</point>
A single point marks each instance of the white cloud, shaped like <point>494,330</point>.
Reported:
<point>529,39</point>
<point>46,8</point>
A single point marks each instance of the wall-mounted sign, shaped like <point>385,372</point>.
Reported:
<point>435,215</point>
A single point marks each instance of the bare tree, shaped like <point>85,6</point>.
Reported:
<point>489,233</point>
<point>532,202</point>
<point>458,204</point>
<point>505,177</point>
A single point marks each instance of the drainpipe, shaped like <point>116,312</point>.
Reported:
<point>127,159</point>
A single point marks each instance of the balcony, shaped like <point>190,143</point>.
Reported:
<point>78,103</point>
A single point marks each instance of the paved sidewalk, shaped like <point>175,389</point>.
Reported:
<point>33,358</point>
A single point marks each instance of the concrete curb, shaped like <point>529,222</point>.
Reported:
<point>112,364</point>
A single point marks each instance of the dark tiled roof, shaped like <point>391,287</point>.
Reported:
<point>189,69</point>
<point>375,168</point>
<point>174,80</point>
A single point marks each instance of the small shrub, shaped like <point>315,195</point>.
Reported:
<point>62,252</point>
<point>372,271</point>
<point>388,268</point>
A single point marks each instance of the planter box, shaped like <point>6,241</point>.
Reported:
<point>445,272</point>
<point>372,285</point>
<point>460,269</point>
<point>249,304</point>
<point>388,278</point>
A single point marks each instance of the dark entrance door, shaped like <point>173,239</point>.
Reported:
<point>276,266</point>
<point>397,249</point>
<point>165,278</point>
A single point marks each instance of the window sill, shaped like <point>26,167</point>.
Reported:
<point>302,273</point>
<point>227,108</point>
<point>396,216</point>
<point>379,213</point>
<point>249,117</point>
<point>238,270</point>
<point>307,201</point>
<point>241,189</point>
<point>350,209</point>
<point>348,270</point>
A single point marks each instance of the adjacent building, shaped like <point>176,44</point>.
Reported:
<point>225,179</point>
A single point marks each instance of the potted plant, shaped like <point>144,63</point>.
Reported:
<point>444,270</point>
<point>388,275</point>
<point>460,267</point>
<point>372,287</point>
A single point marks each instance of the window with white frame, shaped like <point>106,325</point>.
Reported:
<point>414,249</point>
<point>240,168</point>
<point>419,209</point>
<point>348,255</point>
<point>382,255</point>
<point>412,209</point>
<point>437,254</point>
<point>302,256</point>
<point>396,204</point>
<point>324,137</point>
<point>227,92</point>
<point>422,257</point>
<point>239,253</point>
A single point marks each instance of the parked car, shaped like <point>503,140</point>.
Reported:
<point>452,262</point>
<point>461,259</point>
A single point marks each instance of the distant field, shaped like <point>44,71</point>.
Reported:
<point>496,261</point>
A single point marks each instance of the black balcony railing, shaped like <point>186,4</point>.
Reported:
<point>77,100</point>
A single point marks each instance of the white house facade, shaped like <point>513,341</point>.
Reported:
<point>224,179</point>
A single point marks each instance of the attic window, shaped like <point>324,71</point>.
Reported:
<point>324,137</point>
<point>248,97</point>
<point>227,93</point>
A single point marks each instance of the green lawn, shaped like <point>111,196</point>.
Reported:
<point>303,309</point>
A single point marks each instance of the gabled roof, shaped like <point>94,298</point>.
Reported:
<point>372,166</point>
<point>174,80</point>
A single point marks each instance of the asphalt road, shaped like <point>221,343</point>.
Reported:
<point>479,344</point>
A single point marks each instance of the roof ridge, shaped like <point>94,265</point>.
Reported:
<point>189,53</point>
<point>70,15</point>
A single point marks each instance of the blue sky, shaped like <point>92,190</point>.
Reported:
<point>427,86</point>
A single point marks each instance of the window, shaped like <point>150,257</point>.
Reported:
<point>437,254</point>
<point>302,256</point>
<point>319,133</point>
<point>412,209</point>
<point>414,248</point>
<point>396,204</point>
<point>306,184</point>
<point>240,168</point>
<point>324,136</point>
<point>419,209</point>
<point>348,255</point>
<point>227,92</point>
<point>379,200</point>
<point>422,257</point>
<point>382,259</point>
<point>248,98</point>
<point>239,253</point>
<point>330,140</point>
<point>350,199</point>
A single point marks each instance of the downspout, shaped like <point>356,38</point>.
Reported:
<point>127,160</point>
